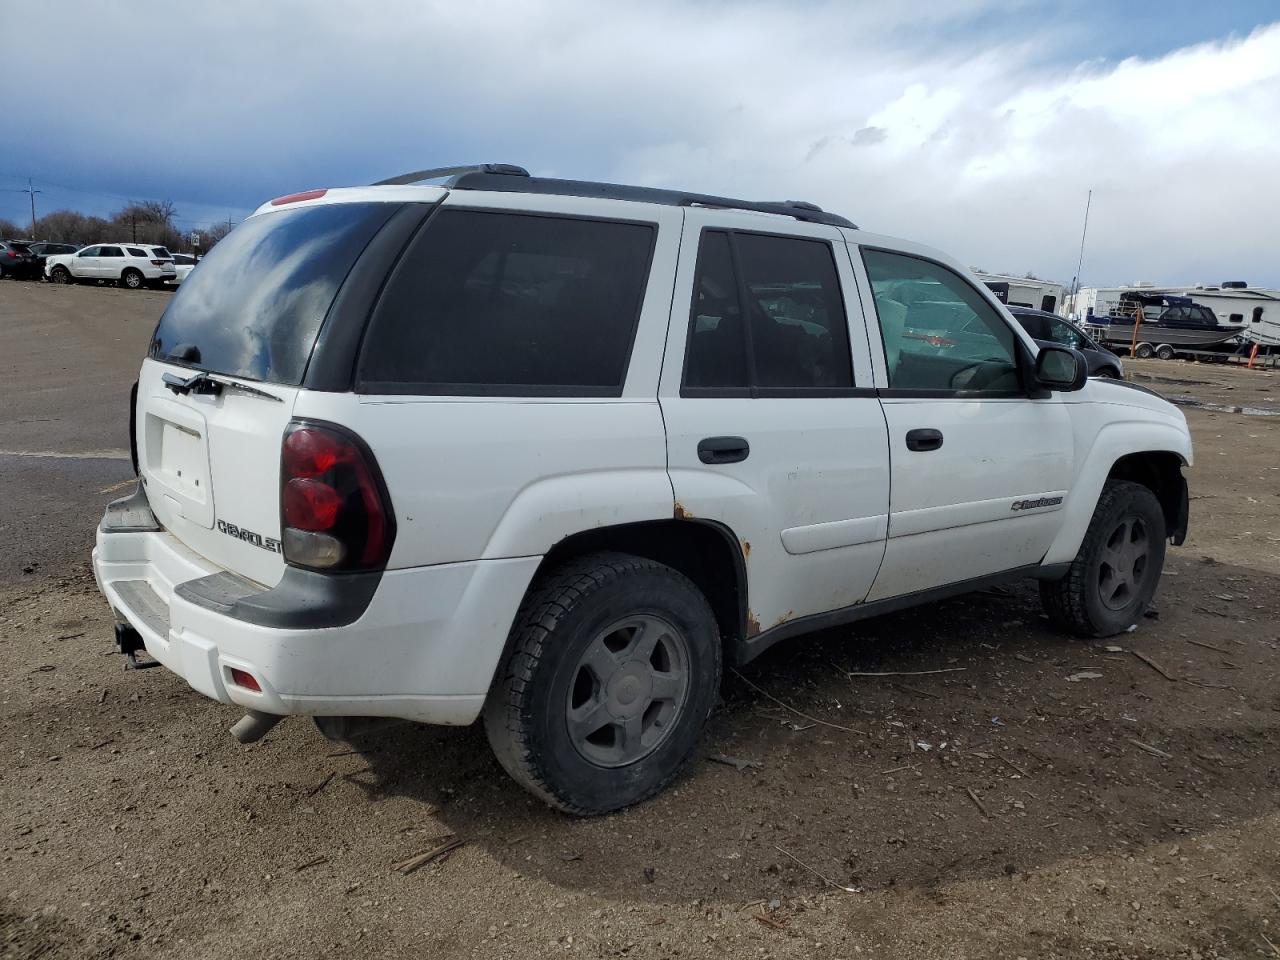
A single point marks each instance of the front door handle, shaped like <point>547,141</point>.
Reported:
<point>924,439</point>
<point>723,450</point>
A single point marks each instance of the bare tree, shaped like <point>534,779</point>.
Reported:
<point>10,229</point>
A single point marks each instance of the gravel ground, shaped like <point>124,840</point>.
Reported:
<point>987,802</point>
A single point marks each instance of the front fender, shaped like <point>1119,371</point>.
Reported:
<point>1113,441</point>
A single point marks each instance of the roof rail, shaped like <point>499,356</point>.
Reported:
<point>482,178</point>
<point>495,169</point>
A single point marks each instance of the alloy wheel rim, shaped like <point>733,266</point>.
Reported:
<point>1123,567</point>
<point>628,691</point>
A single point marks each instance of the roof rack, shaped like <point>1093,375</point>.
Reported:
<point>437,173</point>
<point>509,178</point>
<point>799,209</point>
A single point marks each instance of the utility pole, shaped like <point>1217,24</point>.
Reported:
<point>1075,281</point>
<point>31,192</point>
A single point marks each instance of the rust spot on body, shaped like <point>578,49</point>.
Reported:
<point>681,513</point>
<point>746,548</point>
<point>784,618</point>
<point>753,625</point>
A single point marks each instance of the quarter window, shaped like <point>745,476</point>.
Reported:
<point>511,304</point>
<point>767,317</point>
<point>938,332</point>
<point>135,252</point>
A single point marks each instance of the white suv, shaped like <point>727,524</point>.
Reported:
<point>132,265</point>
<point>553,453</point>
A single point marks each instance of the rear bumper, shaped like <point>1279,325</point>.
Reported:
<point>425,648</point>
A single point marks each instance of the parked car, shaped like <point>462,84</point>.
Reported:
<point>182,265</point>
<point>1051,328</point>
<point>130,265</point>
<point>16,260</point>
<point>44,249</point>
<point>553,454</point>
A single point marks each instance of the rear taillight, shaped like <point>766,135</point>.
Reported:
<point>334,508</point>
<point>298,197</point>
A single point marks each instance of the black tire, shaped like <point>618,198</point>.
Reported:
<point>133,279</point>
<point>568,613</point>
<point>60,274</point>
<point>1143,351</point>
<point>1109,373</point>
<point>1098,597</point>
<point>1165,352</point>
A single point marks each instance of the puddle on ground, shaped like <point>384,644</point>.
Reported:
<point>1183,400</point>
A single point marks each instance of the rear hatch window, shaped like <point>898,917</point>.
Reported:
<point>255,308</point>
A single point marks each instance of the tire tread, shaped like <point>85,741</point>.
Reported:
<point>1064,599</point>
<point>549,600</point>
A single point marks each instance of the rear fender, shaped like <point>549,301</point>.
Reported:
<point>551,509</point>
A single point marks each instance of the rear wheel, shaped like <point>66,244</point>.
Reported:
<point>613,668</point>
<point>1114,576</point>
<point>1165,352</point>
<point>132,279</point>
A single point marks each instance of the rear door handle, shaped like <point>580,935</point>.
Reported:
<point>924,439</point>
<point>723,450</point>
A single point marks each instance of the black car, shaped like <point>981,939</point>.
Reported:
<point>47,248</point>
<point>17,261</point>
<point>1051,328</point>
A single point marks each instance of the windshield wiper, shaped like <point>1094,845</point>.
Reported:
<point>208,383</point>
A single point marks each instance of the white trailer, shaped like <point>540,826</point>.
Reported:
<point>1024,291</point>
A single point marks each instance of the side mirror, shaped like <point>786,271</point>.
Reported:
<point>1061,368</point>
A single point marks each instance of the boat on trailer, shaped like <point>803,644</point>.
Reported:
<point>1165,324</point>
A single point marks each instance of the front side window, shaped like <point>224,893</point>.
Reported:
<point>938,332</point>
<point>89,252</point>
<point>767,316</point>
<point>1064,333</point>
<point>510,304</point>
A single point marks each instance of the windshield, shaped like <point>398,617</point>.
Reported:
<point>255,306</point>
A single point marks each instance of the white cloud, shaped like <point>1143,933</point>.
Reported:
<point>910,121</point>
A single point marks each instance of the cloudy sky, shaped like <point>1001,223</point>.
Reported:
<point>979,129</point>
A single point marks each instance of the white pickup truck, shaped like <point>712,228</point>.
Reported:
<point>473,444</point>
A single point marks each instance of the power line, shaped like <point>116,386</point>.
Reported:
<point>96,193</point>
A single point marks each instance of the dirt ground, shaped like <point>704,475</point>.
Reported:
<point>1010,794</point>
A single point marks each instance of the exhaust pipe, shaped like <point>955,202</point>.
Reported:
<point>254,725</point>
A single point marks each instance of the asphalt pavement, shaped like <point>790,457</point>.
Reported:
<point>68,357</point>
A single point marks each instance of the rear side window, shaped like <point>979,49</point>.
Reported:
<point>256,305</point>
<point>511,305</point>
<point>767,318</point>
<point>110,252</point>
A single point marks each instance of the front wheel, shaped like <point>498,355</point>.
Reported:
<point>612,670</point>
<point>1115,574</point>
<point>1143,351</point>
<point>60,275</point>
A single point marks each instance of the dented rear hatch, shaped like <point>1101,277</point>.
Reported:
<point>224,368</point>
